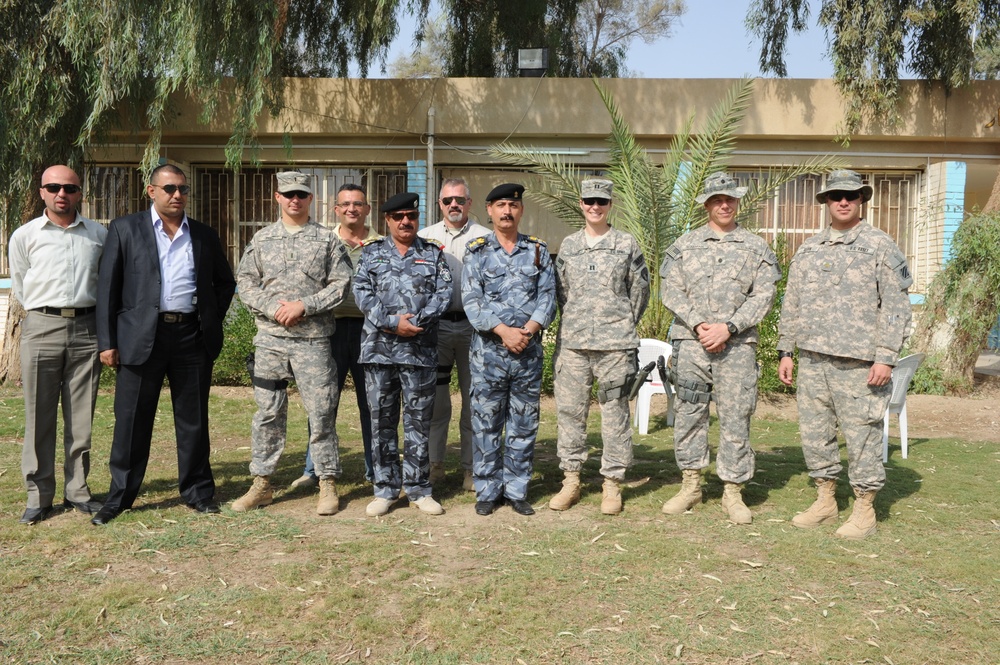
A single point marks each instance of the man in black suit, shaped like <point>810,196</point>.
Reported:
<point>163,290</point>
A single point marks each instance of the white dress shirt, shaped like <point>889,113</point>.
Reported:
<point>177,293</point>
<point>52,266</point>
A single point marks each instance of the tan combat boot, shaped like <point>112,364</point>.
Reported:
<point>329,502</point>
<point>824,508</point>
<point>732,503</point>
<point>611,503</point>
<point>569,494</point>
<point>437,472</point>
<point>861,523</point>
<point>688,497</point>
<point>259,495</point>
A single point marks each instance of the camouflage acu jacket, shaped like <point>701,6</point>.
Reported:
<point>707,279</point>
<point>602,291</point>
<point>311,266</point>
<point>848,297</point>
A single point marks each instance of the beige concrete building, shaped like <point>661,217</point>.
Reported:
<point>394,135</point>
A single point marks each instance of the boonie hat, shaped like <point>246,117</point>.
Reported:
<point>293,181</point>
<point>510,190</point>
<point>596,188</point>
<point>720,183</point>
<point>403,201</point>
<point>844,180</point>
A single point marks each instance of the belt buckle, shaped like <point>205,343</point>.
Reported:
<point>170,317</point>
<point>67,313</point>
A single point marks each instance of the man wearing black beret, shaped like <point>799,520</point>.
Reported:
<point>402,285</point>
<point>509,294</point>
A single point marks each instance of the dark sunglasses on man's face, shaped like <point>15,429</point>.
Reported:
<point>409,214</point>
<point>595,201</point>
<point>173,189</point>
<point>839,196</point>
<point>460,200</point>
<point>296,195</point>
<point>53,188</point>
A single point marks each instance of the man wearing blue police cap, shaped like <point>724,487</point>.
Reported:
<point>509,294</point>
<point>402,284</point>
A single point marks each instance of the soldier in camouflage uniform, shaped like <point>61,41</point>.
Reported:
<point>402,284</point>
<point>847,310</point>
<point>602,285</point>
<point>508,290</point>
<point>718,280</point>
<point>293,273</point>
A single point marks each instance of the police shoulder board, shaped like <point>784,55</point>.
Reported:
<point>537,241</point>
<point>476,244</point>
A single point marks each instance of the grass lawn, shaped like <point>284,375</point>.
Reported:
<point>163,584</point>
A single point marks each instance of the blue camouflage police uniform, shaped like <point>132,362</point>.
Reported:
<point>386,285</point>
<point>512,289</point>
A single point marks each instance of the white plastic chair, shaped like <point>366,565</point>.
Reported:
<point>902,374</point>
<point>649,351</point>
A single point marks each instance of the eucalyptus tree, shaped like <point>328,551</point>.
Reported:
<point>870,42</point>
<point>655,202</point>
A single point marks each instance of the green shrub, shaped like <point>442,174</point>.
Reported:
<point>549,346</point>
<point>929,377</point>
<point>238,332</point>
<point>767,347</point>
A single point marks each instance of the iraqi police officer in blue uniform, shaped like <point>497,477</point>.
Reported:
<point>509,294</point>
<point>402,285</point>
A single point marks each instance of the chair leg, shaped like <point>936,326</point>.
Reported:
<point>885,437</point>
<point>902,429</point>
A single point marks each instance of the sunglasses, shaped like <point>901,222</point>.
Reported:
<point>296,195</point>
<point>409,214</point>
<point>173,189</point>
<point>460,200</point>
<point>595,201</point>
<point>840,196</point>
<point>53,188</point>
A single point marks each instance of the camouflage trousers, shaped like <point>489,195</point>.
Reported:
<point>831,390</point>
<point>575,373</point>
<point>386,384</point>
<point>310,363</point>
<point>733,376</point>
<point>454,341</point>
<point>505,392</point>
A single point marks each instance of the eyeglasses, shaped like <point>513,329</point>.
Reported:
<point>53,188</point>
<point>173,189</point>
<point>296,195</point>
<point>409,214</point>
<point>460,200</point>
<point>840,196</point>
<point>351,204</point>
<point>595,201</point>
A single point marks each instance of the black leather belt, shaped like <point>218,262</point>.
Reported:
<point>178,317</point>
<point>65,312</point>
<point>455,316</point>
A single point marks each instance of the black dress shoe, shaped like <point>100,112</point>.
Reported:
<point>521,507</point>
<point>89,507</point>
<point>487,507</point>
<point>204,506</point>
<point>35,515</point>
<point>105,515</point>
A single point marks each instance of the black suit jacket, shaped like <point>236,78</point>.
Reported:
<point>128,287</point>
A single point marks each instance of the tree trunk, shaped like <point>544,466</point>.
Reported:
<point>10,355</point>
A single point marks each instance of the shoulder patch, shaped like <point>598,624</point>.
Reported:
<point>674,252</point>
<point>476,244</point>
<point>370,241</point>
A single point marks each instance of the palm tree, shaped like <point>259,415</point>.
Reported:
<point>656,203</point>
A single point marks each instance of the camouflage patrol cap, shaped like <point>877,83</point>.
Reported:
<point>510,191</point>
<point>844,180</point>
<point>596,188</point>
<point>293,181</point>
<point>720,183</point>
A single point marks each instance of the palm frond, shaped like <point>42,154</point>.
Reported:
<point>759,192</point>
<point>560,188</point>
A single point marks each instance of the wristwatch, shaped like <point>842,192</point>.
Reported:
<point>732,328</point>
<point>785,354</point>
